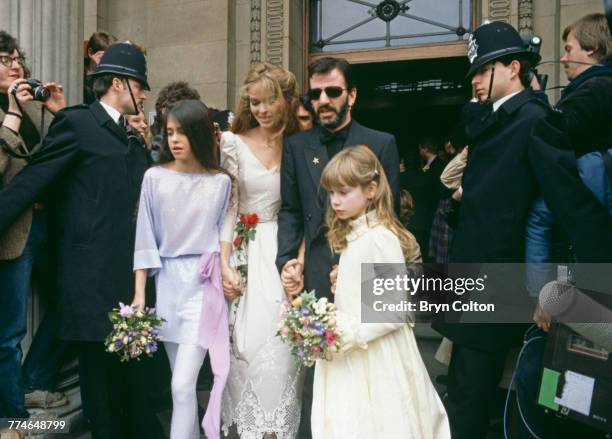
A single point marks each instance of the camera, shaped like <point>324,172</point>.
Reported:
<point>38,91</point>
<point>534,44</point>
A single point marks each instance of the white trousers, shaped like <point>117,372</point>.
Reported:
<point>185,362</point>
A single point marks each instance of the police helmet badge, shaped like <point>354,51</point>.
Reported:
<point>472,49</point>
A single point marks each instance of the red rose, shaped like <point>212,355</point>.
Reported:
<point>315,349</point>
<point>254,219</point>
<point>237,241</point>
<point>244,219</point>
<point>330,337</point>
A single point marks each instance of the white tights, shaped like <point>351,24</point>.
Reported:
<point>185,362</point>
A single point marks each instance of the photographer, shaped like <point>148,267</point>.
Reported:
<point>26,110</point>
<point>585,111</point>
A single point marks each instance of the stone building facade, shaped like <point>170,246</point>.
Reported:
<point>210,43</point>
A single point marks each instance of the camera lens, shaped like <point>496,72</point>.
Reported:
<point>41,93</point>
<point>38,91</point>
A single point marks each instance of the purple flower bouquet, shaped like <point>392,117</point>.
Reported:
<point>135,332</point>
<point>309,328</point>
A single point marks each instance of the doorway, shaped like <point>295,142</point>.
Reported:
<point>412,99</point>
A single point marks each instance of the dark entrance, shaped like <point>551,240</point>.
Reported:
<point>412,98</point>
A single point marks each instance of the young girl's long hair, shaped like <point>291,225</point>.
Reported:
<point>194,118</point>
<point>281,84</point>
<point>358,166</point>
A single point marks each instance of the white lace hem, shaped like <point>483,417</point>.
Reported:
<point>252,421</point>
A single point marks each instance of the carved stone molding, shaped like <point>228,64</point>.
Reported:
<point>51,33</point>
<point>274,31</point>
<point>525,17</point>
<point>255,31</point>
<point>499,10</point>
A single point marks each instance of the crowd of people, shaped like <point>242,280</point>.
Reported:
<point>111,210</point>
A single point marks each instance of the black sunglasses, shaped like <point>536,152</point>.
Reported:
<point>333,92</point>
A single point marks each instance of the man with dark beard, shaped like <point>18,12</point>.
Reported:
<point>301,218</point>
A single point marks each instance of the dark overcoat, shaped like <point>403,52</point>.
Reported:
<point>508,167</point>
<point>91,174</point>
<point>304,202</point>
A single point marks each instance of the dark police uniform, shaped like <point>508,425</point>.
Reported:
<point>92,174</point>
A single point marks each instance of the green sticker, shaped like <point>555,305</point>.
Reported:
<point>548,389</point>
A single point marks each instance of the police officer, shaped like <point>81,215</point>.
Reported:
<point>500,182</point>
<point>93,176</point>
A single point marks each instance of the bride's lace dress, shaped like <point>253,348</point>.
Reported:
<point>263,391</point>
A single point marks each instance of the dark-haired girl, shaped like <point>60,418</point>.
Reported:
<point>182,207</point>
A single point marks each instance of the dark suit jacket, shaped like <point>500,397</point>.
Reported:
<point>304,202</point>
<point>93,175</point>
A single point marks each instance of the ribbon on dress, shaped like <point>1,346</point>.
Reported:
<point>214,336</point>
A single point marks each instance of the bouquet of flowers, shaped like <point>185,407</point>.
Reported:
<point>135,332</point>
<point>309,327</point>
<point>245,232</point>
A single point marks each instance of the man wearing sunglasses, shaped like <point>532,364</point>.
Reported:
<point>301,218</point>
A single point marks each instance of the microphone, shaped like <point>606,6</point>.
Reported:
<point>567,304</point>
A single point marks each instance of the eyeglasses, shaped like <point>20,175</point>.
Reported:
<point>305,117</point>
<point>7,60</point>
<point>333,92</point>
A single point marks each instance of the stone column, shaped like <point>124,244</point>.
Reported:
<point>497,10</point>
<point>277,33</point>
<point>525,17</point>
<point>51,33</point>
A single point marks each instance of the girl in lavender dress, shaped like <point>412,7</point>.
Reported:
<point>262,397</point>
<point>182,207</point>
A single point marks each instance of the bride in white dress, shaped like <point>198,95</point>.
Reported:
<point>263,392</point>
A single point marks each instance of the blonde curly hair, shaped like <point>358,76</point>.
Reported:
<point>280,83</point>
<point>358,166</point>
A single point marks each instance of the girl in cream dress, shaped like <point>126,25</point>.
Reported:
<point>377,386</point>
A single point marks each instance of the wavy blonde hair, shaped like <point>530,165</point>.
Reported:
<point>358,166</point>
<point>280,83</point>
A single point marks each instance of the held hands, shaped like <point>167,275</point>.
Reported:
<point>292,277</point>
<point>542,319</point>
<point>231,282</point>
